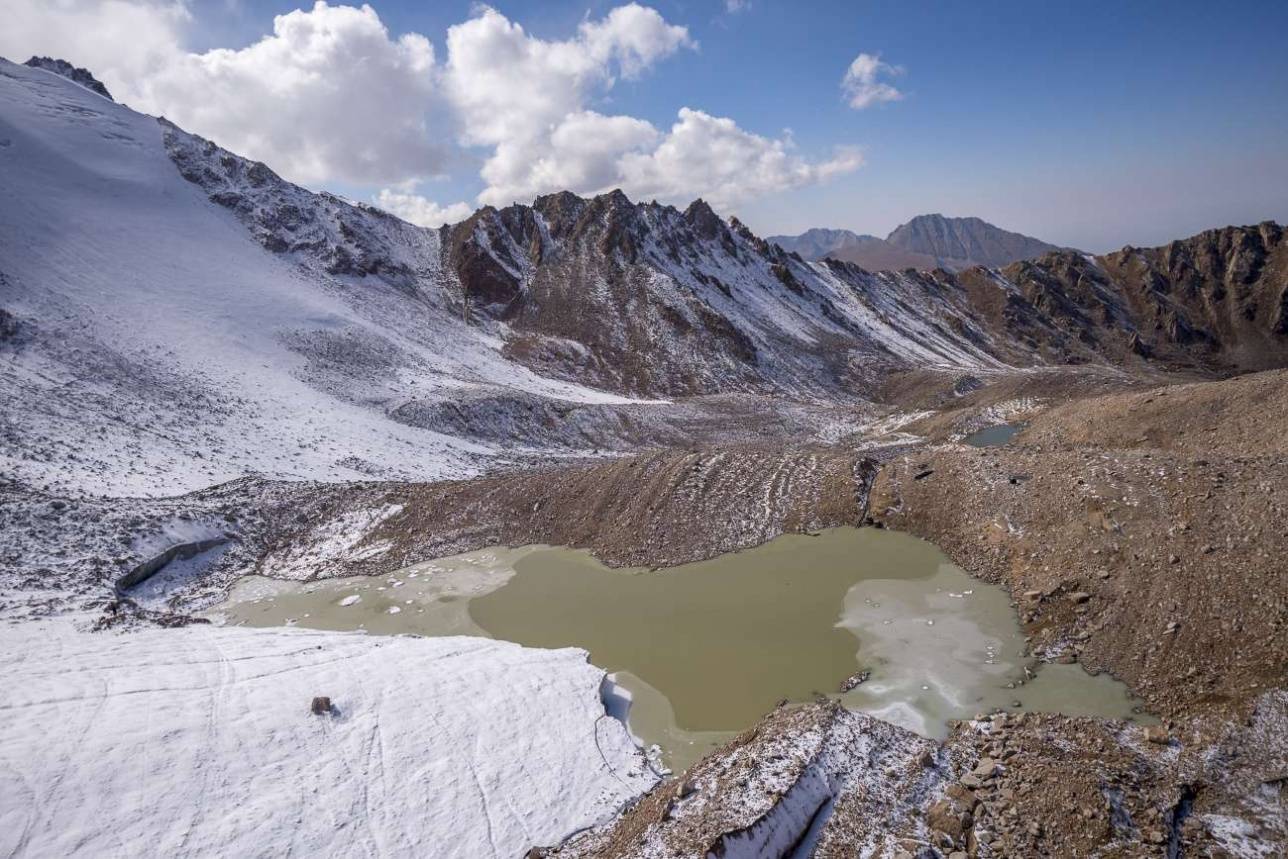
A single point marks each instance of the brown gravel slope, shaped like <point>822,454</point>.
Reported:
<point>656,509</point>
<point>1160,565</point>
<point>1159,562</point>
<point>1247,415</point>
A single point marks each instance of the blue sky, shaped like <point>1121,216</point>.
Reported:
<point>1088,124</point>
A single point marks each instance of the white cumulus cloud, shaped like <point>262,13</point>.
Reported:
<point>529,100</point>
<point>581,153</point>
<point>862,83</point>
<point>120,41</point>
<point>711,157</point>
<point>415,209</point>
<point>331,96</point>
<point>508,86</point>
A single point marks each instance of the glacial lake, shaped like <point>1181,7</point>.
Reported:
<point>705,649</point>
<point>993,436</point>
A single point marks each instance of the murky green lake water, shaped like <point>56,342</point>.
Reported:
<point>705,649</point>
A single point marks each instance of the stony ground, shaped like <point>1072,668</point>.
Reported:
<point>1163,569</point>
<point>1243,416</point>
<point>1139,533</point>
<point>1131,546</point>
<point>1046,785</point>
<point>1136,530</point>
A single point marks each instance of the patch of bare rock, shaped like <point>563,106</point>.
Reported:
<point>815,779</point>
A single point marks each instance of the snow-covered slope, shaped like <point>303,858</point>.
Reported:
<point>200,742</point>
<point>151,345</point>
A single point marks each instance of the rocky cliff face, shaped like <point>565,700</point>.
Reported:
<point>1221,294</point>
<point>1219,298</point>
<point>343,238</point>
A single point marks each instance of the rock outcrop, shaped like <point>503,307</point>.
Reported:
<point>67,70</point>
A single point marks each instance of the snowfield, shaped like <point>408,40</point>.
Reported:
<point>160,348</point>
<point>200,741</point>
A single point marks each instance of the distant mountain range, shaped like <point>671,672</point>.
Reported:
<point>926,242</point>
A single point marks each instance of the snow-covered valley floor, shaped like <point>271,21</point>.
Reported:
<point>200,741</point>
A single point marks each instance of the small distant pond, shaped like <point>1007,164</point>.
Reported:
<point>993,436</point>
<point>705,649</point>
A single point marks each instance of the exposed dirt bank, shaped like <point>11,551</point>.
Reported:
<point>1162,567</point>
<point>655,509</point>
<point>1244,416</point>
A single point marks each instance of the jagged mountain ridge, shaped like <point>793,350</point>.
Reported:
<point>819,242</point>
<point>639,298</point>
<point>926,242</point>
<point>644,299</point>
<point>651,299</point>
<point>579,271</point>
<point>174,289</point>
